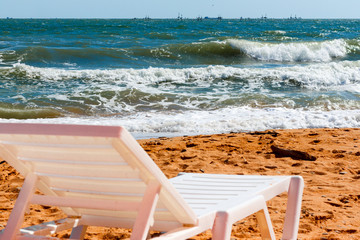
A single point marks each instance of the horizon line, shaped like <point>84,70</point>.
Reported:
<point>188,18</point>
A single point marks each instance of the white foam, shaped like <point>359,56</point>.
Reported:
<point>311,76</point>
<point>279,32</point>
<point>68,64</point>
<point>185,87</point>
<point>226,120</point>
<point>292,51</point>
<point>321,76</point>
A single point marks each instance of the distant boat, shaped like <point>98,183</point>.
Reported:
<point>294,18</point>
<point>218,18</point>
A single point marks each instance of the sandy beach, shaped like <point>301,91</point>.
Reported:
<point>329,164</point>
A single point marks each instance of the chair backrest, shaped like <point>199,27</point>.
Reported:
<point>92,162</point>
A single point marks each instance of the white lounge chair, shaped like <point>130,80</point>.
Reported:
<point>100,175</point>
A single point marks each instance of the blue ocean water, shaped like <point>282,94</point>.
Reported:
<point>171,77</point>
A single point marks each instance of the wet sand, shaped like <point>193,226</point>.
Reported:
<point>331,201</point>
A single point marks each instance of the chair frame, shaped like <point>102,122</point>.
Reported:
<point>219,219</point>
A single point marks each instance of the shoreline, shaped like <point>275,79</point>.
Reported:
<point>331,195</point>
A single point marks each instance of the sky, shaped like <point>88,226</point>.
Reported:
<point>172,8</point>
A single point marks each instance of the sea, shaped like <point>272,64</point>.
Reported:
<point>170,77</point>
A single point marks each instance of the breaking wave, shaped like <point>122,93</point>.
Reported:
<point>313,76</point>
<point>324,51</point>
<point>225,52</point>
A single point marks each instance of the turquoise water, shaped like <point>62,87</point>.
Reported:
<point>171,77</point>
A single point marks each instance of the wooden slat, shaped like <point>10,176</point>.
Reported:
<point>204,200</point>
<point>110,189</point>
<point>208,196</point>
<point>127,223</point>
<point>83,184</point>
<point>102,204</point>
<point>108,213</point>
<point>116,170</point>
<point>46,154</point>
<point>215,191</point>
<point>219,182</point>
<point>200,184</point>
<point>92,192</point>
<point>60,129</point>
<point>158,216</point>
<point>125,198</point>
<point>62,162</point>
<point>55,145</point>
<point>104,180</point>
<point>219,177</point>
<point>58,139</point>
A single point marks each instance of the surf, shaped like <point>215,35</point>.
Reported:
<point>321,51</point>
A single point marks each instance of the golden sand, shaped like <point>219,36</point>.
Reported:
<point>331,200</point>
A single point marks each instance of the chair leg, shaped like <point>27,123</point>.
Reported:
<point>224,219</point>
<point>22,203</point>
<point>222,226</point>
<point>78,232</point>
<point>264,221</point>
<point>145,218</point>
<point>293,210</point>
